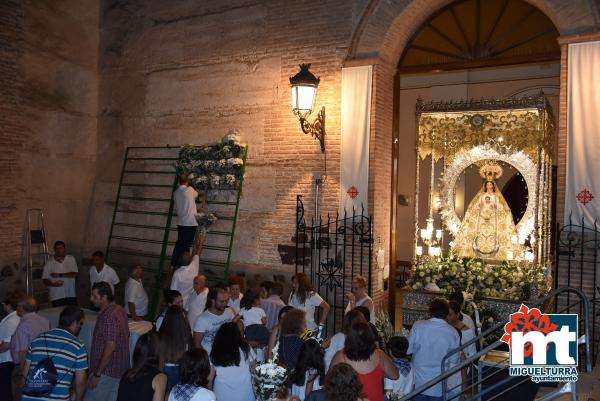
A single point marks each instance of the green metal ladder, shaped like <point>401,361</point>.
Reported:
<point>144,225</point>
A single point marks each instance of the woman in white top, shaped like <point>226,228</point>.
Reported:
<point>310,369</point>
<point>358,296</point>
<point>305,298</point>
<point>232,356</point>
<point>236,285</point>
<point>136,299</point>
<point>196,374</point>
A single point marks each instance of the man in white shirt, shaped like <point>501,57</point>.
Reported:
<point>59,275</point>
<point>429,341</point>
<point>183,278</point>
<point>185,206</point>
<point>8,326</point>
<point>196,302</point>
<point>209,321</point>
<point>100,271</point>
<point>136,299</point>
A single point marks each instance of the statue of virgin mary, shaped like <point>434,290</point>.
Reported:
<point>487,227</point>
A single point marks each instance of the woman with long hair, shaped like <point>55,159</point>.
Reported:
<point>336,342</point>
<point>343,384</point>
<point>144,381</point>
<point>305,298</point>
<point>372,364</point>
<point>293,326</point>
<point>309,373</point>
<point>276,331</point>
<point>196,373</point>
<point>175,338</point>
<point>231,356</point>
<point>171,297</point>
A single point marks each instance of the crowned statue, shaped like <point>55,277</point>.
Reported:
<point>487,230</point>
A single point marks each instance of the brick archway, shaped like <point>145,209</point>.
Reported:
<point>380,37</point>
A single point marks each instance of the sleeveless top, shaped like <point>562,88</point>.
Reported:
<point>139,390</point>
<point>372,382</point>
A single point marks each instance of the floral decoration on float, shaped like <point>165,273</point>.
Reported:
<point>511,280</point>
<point>268,377</point>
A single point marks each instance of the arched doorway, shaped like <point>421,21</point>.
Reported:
<point>382,37</point>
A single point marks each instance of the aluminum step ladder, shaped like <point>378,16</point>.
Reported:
<point>35,250</point>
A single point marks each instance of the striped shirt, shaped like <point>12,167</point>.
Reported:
<point>68,355</point>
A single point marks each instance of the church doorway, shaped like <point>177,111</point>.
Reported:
<point>468,49</point>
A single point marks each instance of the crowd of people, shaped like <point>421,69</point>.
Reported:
<point>206,340</point>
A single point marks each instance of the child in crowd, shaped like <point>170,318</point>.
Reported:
<point>254,319</point>
<point>397,347</point>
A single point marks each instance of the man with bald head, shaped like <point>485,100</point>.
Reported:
<point>197,299</point>
<point>30,326</point>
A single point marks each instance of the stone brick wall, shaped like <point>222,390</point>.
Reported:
<point>48,93</point>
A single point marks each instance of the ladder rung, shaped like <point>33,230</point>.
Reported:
<point>134,253</point>
<point>216,248</point>
<point>143,212</point>
<point>152,158</point>
<point>147,185</point>
<point>134,239</point>
<point>220,203</point>
<point>144,226</point>
<point>148,172</point>
<point>225,233</point>
<point>212,262</point>
<point>229,218</point>
<point>135,198</point>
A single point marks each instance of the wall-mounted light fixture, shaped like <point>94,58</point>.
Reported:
<point>304,91</point>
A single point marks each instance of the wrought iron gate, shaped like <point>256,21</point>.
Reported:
<point>577,263</point>
<point>331,251</point>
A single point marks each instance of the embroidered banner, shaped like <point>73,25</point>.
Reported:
<point>356,115</point>
<point>583,133</point>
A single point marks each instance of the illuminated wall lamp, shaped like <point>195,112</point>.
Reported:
<point>304,91</point>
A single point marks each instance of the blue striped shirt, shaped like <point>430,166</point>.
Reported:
<point>68,355</point>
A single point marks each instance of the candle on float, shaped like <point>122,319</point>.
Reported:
<point>438,234</point>
<point>529,256</point>
<point>509,255</point>
<point>425,234</point>
<point>419,250</point>
<point>514,239</point>
<point>431,251</point>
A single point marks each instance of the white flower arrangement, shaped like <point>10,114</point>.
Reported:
<point>508,280</point>
<point>235,162</point>
<point>229,179</point>
<point>268,377</point>
<point>391,395</point>
<point>205,219</point>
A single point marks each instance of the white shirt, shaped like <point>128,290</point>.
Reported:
<point>208,323</point>
<point>195,305</point>
<point>201,394</point>
<point>183,279</point>
<point>234,303</point>
<point>360,302</point>
<point>67,290</point>
<point>466,319</point>
<point>135,293</point>
<point>403,384</point>
<point>107,274</point>
<point>8,325</point>
<point>185,205</point>
<point>313,300</point>
<point>336,343</point>
<point>428,342</point>
<point>252,316</point>
<point>234,383</point>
